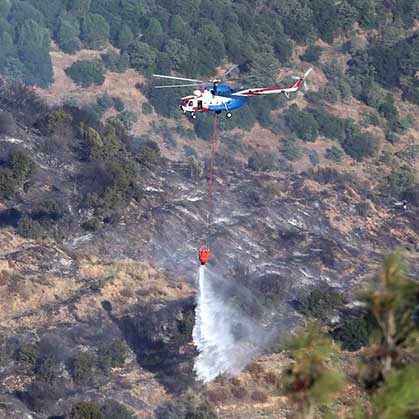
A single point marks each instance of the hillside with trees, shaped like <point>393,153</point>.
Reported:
<point>103,204</point>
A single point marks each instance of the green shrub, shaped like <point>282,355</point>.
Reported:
<point>329,125</point>
<point>105,102</point>
<point>115,62</point>
<point>290,149</point>
<point>86,410</point>
<point>401,179</point>
<point>8,183</point>
<point>360,145</point>
<point>321,302</point>
<point>312,54</point>
<point>189,151</point>
<point>118,104</point>
<point>353,334</point>
<point>203,126</point>
<point>49,209</point>
<point>171,410</point>
<point>113,355</point>
<point>146,108</point>
<point>22,166</point>
<point>29,228</point>
<point>7,123</point>
<point>114,410</point>
<point>27,354</point>
<point>67,35</point>
<point>94,31</point>
<point>102,146</point>
<point>128,119</point>
<point>92,224</point>
<point>301,123</point>
<point>83,366</point>
<point>314,157</point>
<point>262,161</point>
<point>86,73</point>
<point>334,153</point>
<point>48,369</point>
<point>148,153</point>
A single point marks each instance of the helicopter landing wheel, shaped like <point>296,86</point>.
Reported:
<point>229,115</point>
<point>193,115</point>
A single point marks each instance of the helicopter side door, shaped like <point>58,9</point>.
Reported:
<point>199,105</point>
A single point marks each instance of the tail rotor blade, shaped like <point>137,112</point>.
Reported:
<point>233,67</point>
<point>308,72</point>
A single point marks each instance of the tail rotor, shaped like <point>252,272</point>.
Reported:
<point>303,79</point>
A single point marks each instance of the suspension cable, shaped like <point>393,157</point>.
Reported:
<point>213,145</point>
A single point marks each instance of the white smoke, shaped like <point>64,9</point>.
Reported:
<point>226,338</point>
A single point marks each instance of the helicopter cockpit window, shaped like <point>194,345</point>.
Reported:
<point>190,103</point>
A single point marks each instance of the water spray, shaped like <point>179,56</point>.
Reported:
<point>226,337</point>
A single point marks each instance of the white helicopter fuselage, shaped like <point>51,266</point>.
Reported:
<point>202,100</point>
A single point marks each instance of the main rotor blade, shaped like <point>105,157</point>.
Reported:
<point>177,78</point>
<point>233,67</point>
<point>308,72</point>
<point>178,85</point>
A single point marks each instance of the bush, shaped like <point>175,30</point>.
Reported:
<point>259,396</point>
<point>105,102</point>
<point>334,154</point>
<point>102,146</point>
<point>114,410</point>
<point>301,123</point>
<point>360,145</point>
<point>290,149</point>
<point>171,410</point>
<point>203,127</point>
<point>86,73</point>
<point>7,123</point>
<point>115,62</point>
<point>321,302</point>
<point>218,395</point>
<point>329,125</point>
<point>27,354</point>
<point>146,108</point>
<point>239,392</point>
<point>86,410</point>
<point>82,369</point>
<point>148,153</point>
<point>353,334</point>
<point>48,369</point>
<point>261,161</point>
<point>29,228</point>
<point>22,166</point>
<point>113,355</point>
<point>312,54</point>
<point>314,157</point>
<point>401,179</point>
<point>190,407</point>
<point>118,104</point>
<point>198,407</point>
<point>49,209</point>
<point>92,224</point>
<point>128,119</point>
<point>8,183</point>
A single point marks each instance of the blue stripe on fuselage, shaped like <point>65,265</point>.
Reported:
<point>233,103</point>
<point>223,90</point>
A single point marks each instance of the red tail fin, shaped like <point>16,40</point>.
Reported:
<point>297,84</point>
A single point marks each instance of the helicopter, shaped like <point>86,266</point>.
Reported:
<point>221,97</point>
